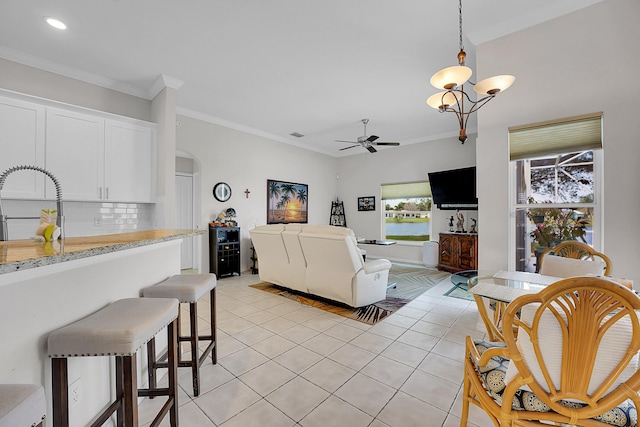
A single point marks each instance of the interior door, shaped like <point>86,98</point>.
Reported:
<point>184,216</point>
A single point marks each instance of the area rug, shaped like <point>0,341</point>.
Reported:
<point>411,283</point>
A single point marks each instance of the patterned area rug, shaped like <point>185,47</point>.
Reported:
<point>412,282</point>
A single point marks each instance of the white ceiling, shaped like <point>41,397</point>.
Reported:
<point>274,67</point>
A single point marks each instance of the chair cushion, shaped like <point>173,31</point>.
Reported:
<point>553,265</point>
<point>119,329</point>
<point>186,288</point>
<point>493,379</point>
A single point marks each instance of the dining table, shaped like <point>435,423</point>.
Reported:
<point>505,286</point>
<point>493,291</point>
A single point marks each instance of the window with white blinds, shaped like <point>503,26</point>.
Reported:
<point>572,134</point>
<point>406,190</point>
<point>407,211</point>
<point>556,165</point>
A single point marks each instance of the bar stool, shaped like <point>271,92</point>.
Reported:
<point>22,405</point>
<point>187,288</point>
<point>120,329</point>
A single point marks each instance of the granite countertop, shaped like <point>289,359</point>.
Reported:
<point>18,255</point>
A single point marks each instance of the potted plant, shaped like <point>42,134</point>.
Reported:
<point>555,225</point>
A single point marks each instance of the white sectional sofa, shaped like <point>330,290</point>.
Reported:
<point>321,260</point>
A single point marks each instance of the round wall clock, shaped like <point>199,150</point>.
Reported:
<point>222,191</point>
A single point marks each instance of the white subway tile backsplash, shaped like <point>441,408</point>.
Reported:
<point>80,218</point>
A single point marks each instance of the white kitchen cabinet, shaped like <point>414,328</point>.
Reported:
<point>95,156</point>
<point>129,162</point>
<point>98,159</point>
<point>22,130</point>
<point>75,154</point>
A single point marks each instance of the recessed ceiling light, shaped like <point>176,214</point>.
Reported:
<point>56,23</point>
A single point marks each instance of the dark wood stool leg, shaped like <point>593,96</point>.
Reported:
<point>212,308</point>
<point>179,333</point>
<point>172,359</point>
<point>60,392</point>
<point>130,396</point>
<point>151,364</point>
<point>119,392</point>
<point>195,351</point>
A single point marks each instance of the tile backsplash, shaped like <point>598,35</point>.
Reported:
<point>80,218</point>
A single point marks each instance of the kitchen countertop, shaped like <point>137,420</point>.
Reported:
<point>17,255</point>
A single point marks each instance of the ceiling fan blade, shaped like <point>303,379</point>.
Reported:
<point>372,138</point>
<point>371,149</point>
<point>395,144</point>
<point>349,142</point>
<point>346,148</point>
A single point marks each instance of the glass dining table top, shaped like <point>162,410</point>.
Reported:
<point>505,286</point>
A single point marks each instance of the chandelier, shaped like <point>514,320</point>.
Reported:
<point>454,99</point>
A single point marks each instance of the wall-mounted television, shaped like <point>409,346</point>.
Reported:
<point>454,189</point>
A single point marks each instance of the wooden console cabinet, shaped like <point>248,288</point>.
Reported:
<point>224,251</point>
<point>458,251</point>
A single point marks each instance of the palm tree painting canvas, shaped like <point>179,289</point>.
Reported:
<point>286,202</point>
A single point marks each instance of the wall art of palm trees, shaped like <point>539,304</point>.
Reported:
<point>287,202</point>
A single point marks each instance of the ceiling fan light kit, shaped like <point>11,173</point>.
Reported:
<point>365,141</point>
<point>454,98</point>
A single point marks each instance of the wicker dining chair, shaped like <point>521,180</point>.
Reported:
<point>575,362</point>
<point>491,313</point>
<point>575,250</point>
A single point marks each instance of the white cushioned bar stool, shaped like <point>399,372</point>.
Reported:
<point>189,289</point>
<point>22,405</point>
<point>119,329</point>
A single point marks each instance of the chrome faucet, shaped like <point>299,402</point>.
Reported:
<point>4,234</point>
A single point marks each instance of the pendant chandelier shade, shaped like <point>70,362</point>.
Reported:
<point>451,77</point>
<point>442,100</point>
<point>454,99</point>
<point>493,85</point>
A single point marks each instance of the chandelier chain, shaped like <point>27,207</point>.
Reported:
<point>460,22</point>
<point>452,79</point>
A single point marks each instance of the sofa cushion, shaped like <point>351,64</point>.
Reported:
<point>272,254</point>
<point>327,229</point>
<point>296,270</point>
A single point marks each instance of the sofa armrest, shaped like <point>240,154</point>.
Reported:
<point>376,265</point>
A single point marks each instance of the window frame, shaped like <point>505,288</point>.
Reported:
<point>597,206</point>
<point>383,221</point>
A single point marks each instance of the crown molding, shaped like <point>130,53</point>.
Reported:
<point>73,73</point>
<point>163,81</point>
<point>243,128</point>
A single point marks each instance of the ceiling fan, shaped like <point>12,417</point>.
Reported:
<point>365,141</point>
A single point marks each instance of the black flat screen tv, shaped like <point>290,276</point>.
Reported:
<point>454,189</point>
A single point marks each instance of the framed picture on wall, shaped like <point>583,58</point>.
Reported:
<point>367,203</point>
<point>287,202</point>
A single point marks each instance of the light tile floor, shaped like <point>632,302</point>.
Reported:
<point>283,364</point>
